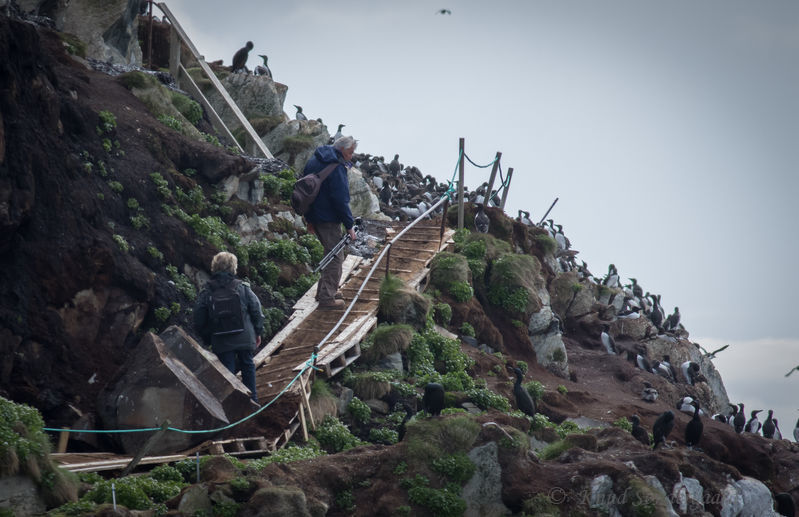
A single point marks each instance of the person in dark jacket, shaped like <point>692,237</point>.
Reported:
<point>232,349</point>
<point>329,211</point>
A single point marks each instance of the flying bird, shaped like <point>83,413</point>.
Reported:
<point>712,355</point>
<point>443,11</point>
<point>795,368</point>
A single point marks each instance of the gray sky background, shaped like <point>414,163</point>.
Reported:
<point>669,131</point>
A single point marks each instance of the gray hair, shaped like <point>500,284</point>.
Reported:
<point>345,142</point>
<point>224,261</point>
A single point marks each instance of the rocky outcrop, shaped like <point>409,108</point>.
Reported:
<point>172,378</point>
<point>483,492</point>
<point>108,28</point>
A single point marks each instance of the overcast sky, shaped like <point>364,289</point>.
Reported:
<point>669,131</point>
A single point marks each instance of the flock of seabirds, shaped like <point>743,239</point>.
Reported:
<point>405,194</point>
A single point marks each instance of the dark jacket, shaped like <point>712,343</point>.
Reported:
<point>332,205</point>
<point>250,308</point>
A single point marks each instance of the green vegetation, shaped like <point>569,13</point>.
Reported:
<point>484,398</point>
<point>467,329</point>
<point>182,282</point>
<point>623,423</point>
<point>153,252</point>
<point>334,436</point>
<point>162,314</point>
<point>359,410</point>
<point>442,313</point>
<point>442,502</point>
<point>562,389</point>
<point>171,122</point>
<point>73,44</point>
<point>108,122</point>
<point>383,435</point>
<point>456,467</point>
<point>187,107</point>
<point>116,186</point>
<point>121,242</point>
<point>287,454</point>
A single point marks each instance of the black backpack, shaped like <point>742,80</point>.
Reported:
<point>307,188</point>
<point>224,309</point>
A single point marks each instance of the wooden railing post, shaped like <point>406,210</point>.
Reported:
<point>462,154</point>
<point>506,189</point>
<point>491,180</point>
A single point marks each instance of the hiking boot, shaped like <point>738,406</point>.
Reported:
<point>331,305</point>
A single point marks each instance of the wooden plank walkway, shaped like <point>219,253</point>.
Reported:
<point>280,361</point>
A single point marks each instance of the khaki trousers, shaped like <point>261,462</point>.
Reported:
<point>329,234</point>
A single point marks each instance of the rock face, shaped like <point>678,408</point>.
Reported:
<point>172,378</point>
<point>109,28</point>
<point>483,492</point>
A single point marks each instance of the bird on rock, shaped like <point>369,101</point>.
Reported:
<point>639,432</point>
<point>338,133</point>
<point>433,399</point>
<point>524,401</point>
<point>394,166</point>
<point>240,58</point>
<point>768,426</point>
<point>796,432</point>
<point>481,220</point>
<point>607,340</point>
<point>739,421</point>
<point>693,431</point>
<point>649,394</point>
<point>753,425</point>
<point>663,426</point>
<point>263,69</point>
<point>300,115</point>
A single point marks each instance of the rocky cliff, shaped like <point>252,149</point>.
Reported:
<point>110,213</point>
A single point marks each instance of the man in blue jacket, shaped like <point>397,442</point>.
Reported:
<point>329,211</point>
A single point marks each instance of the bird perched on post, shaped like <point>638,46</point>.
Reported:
<point>433,399</point>
<point>693,431</point>
<point>639,432</point>
<point>481,220</point>
<point>300,115</point>
<point>524,401</point>
<point>263,69</point>
<point>663,426</point>
<point>240,58</point>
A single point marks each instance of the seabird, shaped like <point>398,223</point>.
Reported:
<point>639,432</point>
<point>300,114</point>
<point>630,314</point>
<point>686,405</point>
<point>712,355</point>
<point>612,278</point>
<point>732,415</point>
<point>795,368</point>
<point>608,341</point>
<point>524,218</point>
<point>689,370</point>
<point>663,426</point>
<point>561,240</point>
<point>642,362</point>
<point>768,425</point>
<point>718,417</point>
<point>785,504</point>
<point>777,432</point>
<point>739,421</point>
<point>649,394</point>
<point>338,133</point>
<point>443,11</point>
<point>481,220</point>
<point>796,432</point>
<point>667,361</point>
<point>524,401</point>
<point>753,425</point>
<point>693,431</point>
<point>673,320</point>
<point>433,399</point>
<point>263,69</point>
<point>394,166</point>
<point>638,292</point>
<point>240,57</point>
<point>662,370</point>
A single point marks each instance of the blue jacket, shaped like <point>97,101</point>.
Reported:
<point>250,308</point>
<point>332,205</point>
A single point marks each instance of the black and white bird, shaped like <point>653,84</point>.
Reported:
<point>607,340</point>
<point>338,133</point>
<point>394,166</point>
<point>777,432</point>
<point>712,355</point>
<point>481,220</point>
<point>661,429</point>
<point>240,58</point>
<point>753,425</point>
<point>639,432</point>
<point>666,361</point>
<point>673,321</point>
<point>638,292</point>
<point>768,425</point>
<point>649,394</point>
<point>612,278</point>
<point>300,115</point>
<point>443,11</point>
<point>524,218</point>
<point>433,398</point>
<point>686,405</point>
<point>524,401</point>
<point>263,69</point>
<point>690,370</point>
<point>796,432</point>
<point>693,431</point>
<point>739,421</point>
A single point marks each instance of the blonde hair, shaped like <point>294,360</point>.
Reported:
<point>224,261</point>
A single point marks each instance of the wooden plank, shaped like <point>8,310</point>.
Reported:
<point>215,81</point>
<point>216,120</point>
